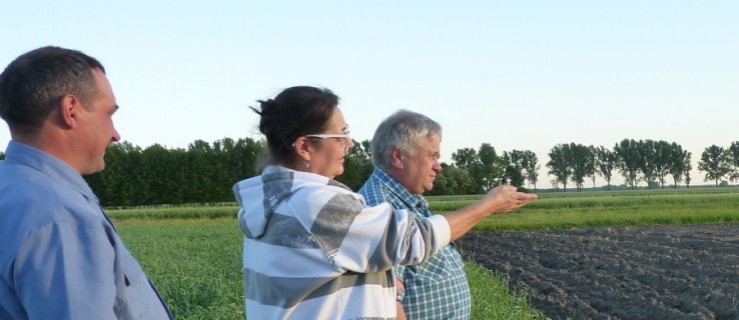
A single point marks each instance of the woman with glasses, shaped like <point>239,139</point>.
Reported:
<point>312,248</point>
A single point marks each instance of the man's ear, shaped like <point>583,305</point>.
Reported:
<point>396,158</point>
<point>69,109</point>
<point>302,148</point>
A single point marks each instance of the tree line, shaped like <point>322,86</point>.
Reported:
<point>205,172</point>
<point>649,161</point>
<point>202,173</point>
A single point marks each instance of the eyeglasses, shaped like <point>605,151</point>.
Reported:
<point>344,135</point>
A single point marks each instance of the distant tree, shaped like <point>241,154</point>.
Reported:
<point>647,166</point>
<point>229,149</point>
<point>716,162</point>
<point>514,171</point>
<point>362,149</point>
<point>531,167</point>
<point>357,165</point>
<point>493,166</point>
<point>2,155</point>
<point>204,173</point>
<point>357,170</point>
<point>555,183</point>
<point>734,150</point>
<point>464,184</point>
<point>663,152</point>
<point>592,166</point>
<point>220,158</point>
<point>442,184</point>
<point>161,176</point>
<point>244,158</point>
<point>607,161</point>
<point>629,160</point>
<point>452,180</point>
<point>119,184</point>
<point>559,164</point>
<point>580,163</point>
<point>179,176</point>
<point>688,167</point>
<point>677,166</point>
<point>467,159</point>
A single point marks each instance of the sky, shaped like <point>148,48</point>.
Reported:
<point>524,75</point>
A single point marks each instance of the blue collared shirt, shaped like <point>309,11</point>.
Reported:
<point>437,288</point>
<point>60,257</point>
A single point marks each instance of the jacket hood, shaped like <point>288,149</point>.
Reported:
<point>259,196</point>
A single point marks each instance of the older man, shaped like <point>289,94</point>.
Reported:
<point>405,152</point>
<point>61,257</point>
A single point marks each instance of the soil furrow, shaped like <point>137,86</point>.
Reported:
<point>644,272</point>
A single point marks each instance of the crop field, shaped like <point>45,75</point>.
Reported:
<point>615,208</point>
<point>193,254</point>
<point>195,263</point>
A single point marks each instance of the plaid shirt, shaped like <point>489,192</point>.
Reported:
<point>437,288</point>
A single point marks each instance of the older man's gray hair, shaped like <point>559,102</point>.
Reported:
<point>403,130</point>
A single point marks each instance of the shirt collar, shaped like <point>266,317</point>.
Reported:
<point>411,200</point>
<point>50,165</point>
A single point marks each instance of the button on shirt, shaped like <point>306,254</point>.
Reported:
<point>60,258</point>
<point>437,288</point>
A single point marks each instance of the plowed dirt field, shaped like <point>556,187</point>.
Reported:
<point>644,272</point>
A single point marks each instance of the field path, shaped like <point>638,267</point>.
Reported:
<point>644,272</point>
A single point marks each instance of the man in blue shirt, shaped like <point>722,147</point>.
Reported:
<point>61,257</point>
<point>405,152</point>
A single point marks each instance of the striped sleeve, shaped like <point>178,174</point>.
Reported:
<point>370,239</point>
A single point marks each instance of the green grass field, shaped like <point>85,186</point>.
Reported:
<point>193,254</point>
<point>195,264</point>
<point>616,208</point>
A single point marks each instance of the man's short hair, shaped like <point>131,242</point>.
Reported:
<point>402,130</point>
<point>34,83</point>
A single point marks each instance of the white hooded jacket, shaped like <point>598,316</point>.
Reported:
<point>313,250</point>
